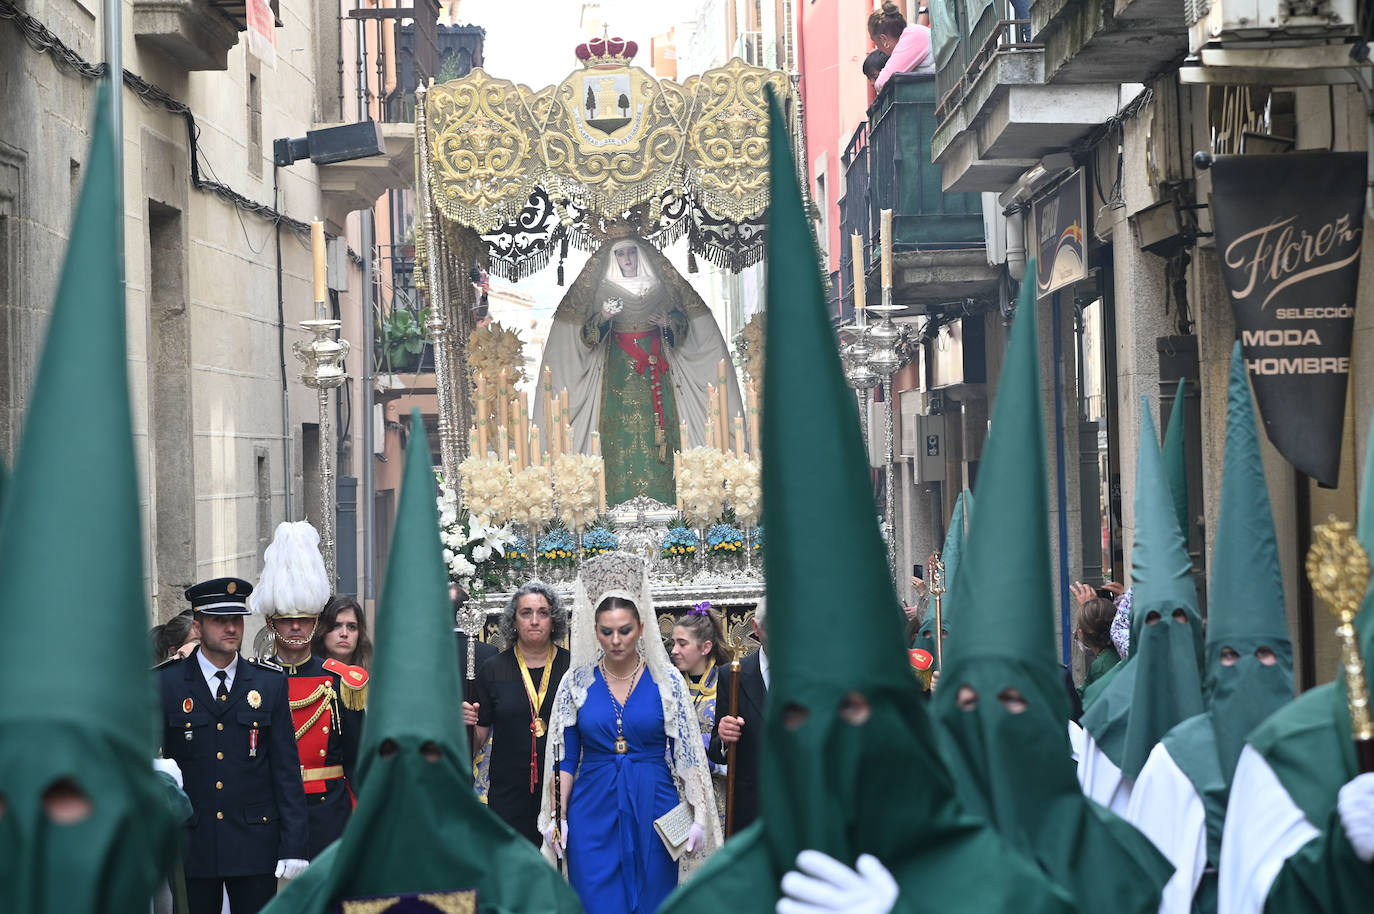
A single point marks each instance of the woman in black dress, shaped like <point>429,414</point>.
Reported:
<point>515,692</point>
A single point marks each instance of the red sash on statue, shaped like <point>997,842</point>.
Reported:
<point>651,361</point>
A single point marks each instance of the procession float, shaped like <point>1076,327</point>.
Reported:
<point>636,433</point>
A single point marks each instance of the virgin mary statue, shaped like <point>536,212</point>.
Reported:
<point>635,346</point>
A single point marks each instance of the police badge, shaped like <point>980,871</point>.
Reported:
<point>254,699</point>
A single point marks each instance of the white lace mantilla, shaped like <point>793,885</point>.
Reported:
<point>620,574</point>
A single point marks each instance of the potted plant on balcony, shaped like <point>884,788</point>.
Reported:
<point>401,340</point>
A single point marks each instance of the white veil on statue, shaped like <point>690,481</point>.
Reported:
<point>622,574</point>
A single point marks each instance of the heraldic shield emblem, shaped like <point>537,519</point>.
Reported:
<point>425,903</point>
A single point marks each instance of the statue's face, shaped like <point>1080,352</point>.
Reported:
<point>628,260</point>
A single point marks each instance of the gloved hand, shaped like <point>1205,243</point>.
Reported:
<point>290,868</point>
<point>169,767</point>
<point>561,844</point>
<point>1355,802</point>
<point>696,837</point>
<point>822,884</point>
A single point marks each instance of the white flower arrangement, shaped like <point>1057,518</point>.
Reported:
<point>469,546</point>
<point>746,493</point>
<point>575,476</point>
<point>531,496</point>
<point>493,347</point>
<point>486,488</point>
<point>701,484</point>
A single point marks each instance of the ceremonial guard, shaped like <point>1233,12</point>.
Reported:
<point>327,696</point>
<point>227,724</point>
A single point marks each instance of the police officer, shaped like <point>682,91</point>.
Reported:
<point>326,695</point>
<point>227,724</point>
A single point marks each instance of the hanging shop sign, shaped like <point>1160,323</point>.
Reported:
<point>1288,233</point>
<point>1060,248</point>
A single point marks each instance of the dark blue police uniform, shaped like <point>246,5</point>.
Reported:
<point>239,768</point>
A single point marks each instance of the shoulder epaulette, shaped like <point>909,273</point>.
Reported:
<point>168,662</point>
<point>269,665</point>
<point>353,679</point>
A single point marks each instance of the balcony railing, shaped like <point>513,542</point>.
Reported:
<point>905,180</point>
<point>888,166</point>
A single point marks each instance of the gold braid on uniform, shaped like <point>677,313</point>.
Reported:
<point>324,694</point>
<point>354,699</point>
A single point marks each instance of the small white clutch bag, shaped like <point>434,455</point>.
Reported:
<point>673,827</point>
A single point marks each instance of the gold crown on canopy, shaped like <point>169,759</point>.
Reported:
<point>603,53</point>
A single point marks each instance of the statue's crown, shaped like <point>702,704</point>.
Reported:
<point>603,53</point>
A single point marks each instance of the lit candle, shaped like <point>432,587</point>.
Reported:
<point>503,444</point>
<point>502,396</point>
<point>601,482</point>
<point>567,439</point>
<point>596,444</point>
<point>565,418</point>
<point>536,458</point>
<point>524,430</point>
<point>472,442</point>
<point>683,435</point>
<point>317,249</point>
<point>739,435</point>
<point>677,478</point>
<point>723,395</point>
<point>549,417</point>
<point>860,302</point>
<point>712,412</point>
<point>754,418</point>
<point>887,248</point>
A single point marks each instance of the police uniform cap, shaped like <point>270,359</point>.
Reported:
<point>220,597</point>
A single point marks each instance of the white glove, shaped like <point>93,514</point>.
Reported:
<point>561,844</point>
<point>167,766</point>
<point>696,837</point>
<point>822,884</point>
<point>290,868</point>
<point>1355,802</point>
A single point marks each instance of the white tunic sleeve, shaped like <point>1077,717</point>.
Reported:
<point>1101,779</point>
<point>1264,827</point>
<point>1167,808</point>
<point>1076,738</point>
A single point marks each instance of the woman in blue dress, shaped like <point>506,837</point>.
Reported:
<point>625,742</point>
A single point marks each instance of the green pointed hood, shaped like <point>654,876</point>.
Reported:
<point>1176,457</point>
<point>71,558</point>
<point>1246,615</point>
<point>418,825</point>
<point>1160,685</point>
<point>1013,763</point>
<point>951,554</point>
<point>846,725</point>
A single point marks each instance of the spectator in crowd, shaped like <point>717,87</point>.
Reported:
<point>747,728</point>
<point>1093,634</point>
<point>907,45</point>
<point>514,696</point>
<point>700,652</point>
<point>873,65</point>
<point>342,633</point>
<point>176,637</point>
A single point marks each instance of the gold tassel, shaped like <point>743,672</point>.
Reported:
<point>353,699</point>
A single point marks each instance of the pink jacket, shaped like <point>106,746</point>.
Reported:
<point>911,53</point>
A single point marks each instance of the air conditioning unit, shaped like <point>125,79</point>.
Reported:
<point>1268,21</point>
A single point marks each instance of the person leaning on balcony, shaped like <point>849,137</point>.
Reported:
<point>907,45</point>
<point>873,65</point>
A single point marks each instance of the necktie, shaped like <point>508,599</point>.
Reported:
<point>222,693</point>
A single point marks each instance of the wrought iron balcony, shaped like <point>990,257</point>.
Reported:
<point>937,237</point>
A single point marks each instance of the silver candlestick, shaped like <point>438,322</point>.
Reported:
<point>323,359</point>
<point>885,360</point>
